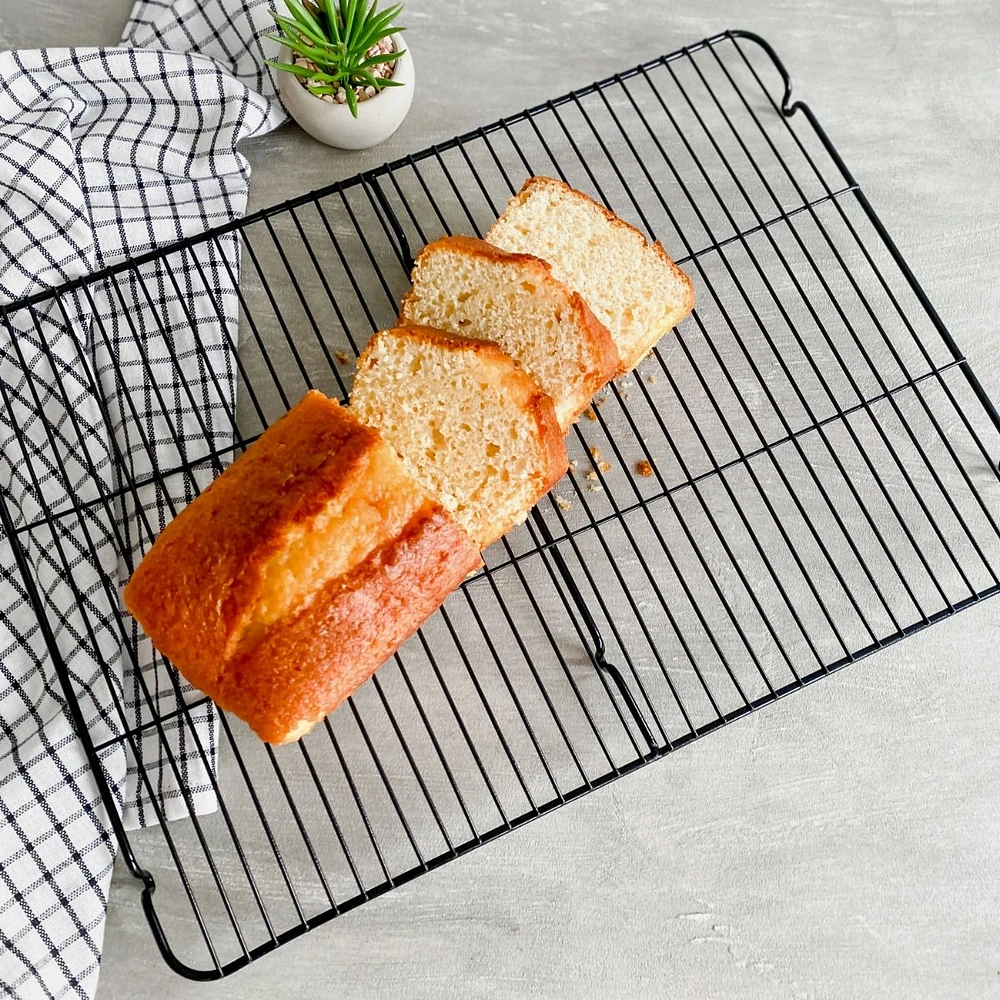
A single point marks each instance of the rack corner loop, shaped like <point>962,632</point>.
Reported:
<point>787,108</point>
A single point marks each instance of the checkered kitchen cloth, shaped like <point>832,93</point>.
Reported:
<point>104,154</point>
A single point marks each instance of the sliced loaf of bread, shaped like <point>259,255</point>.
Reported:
<point>473,428</point>
<point>471,287</point>
<point>633,286</point>
<point>288,581</point>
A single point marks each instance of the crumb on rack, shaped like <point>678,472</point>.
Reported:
<point>595,488</point>
<point>624,394</point>
<point>651,378</point>
<point>573,463</point>
<point>644,469</point>
<point>589,413</point>
<point>595,453</point>
<point>604,466</point>
<point>592,475</point>
<point>562,503</point>
<point>601,400</point>
<point>343,358</point>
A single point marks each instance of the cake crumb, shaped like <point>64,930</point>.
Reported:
<point>595,453</point>
<point>595,488</point>
<point>573,463</point>
<point>644,469</point>
<point>604,466</point>
<point>624,394</point>
<point>562,503</point>
<point>589,413</point>
<point>651,379</point>
<point>601,400</point>
<point>592,475</point>
<point>342,357</point>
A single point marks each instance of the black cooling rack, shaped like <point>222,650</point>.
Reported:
<point>800,476</point>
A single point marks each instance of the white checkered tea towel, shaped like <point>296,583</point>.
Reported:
<point>106,154</point>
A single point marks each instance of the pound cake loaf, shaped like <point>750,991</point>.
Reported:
<point>468,286</point>
<point>633,286</point>
<point>471,426</point>
<point>304,566</point>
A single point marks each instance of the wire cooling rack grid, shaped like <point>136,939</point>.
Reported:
<point>798,477</point>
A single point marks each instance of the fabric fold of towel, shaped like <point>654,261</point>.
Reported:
<point>106,154</point>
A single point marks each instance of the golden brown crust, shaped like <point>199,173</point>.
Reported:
<point>552,440</point>
<point>211,555</point>
<point>302,668</point>
<point>480,248</point>
<point>197,589</point>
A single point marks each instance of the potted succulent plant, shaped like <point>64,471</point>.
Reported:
<point>344,76</point>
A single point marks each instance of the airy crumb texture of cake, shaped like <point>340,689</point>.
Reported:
<point>470,287</point>
<point>470,424</point>
<point>632,286</point>
<point>288,581</point>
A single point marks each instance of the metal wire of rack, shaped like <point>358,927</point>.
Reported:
<point>801,475</point>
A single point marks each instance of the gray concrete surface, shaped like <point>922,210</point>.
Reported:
<point>843,844</point>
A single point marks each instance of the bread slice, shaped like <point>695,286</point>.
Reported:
<point>633,287</point>
<point>287,582</point>
<point>471,426</point>
<point>471,287</point>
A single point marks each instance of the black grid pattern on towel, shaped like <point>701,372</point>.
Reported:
<point>106,154</point>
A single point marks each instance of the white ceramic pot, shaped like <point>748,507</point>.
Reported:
<point>334,124</point>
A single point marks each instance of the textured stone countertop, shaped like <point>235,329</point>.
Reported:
<point>843,844</point>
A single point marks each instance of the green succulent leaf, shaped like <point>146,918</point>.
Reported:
<point>380,27</point>
<point>368,79</point>
<point>304,71</point>
<point>349,9</point>
<point>385,57</point>
<point>286,67</point>
<point>332,15</point>
<point>303,17</point>
<point>375,38</point>
<point>293,29</point>
<point>336,35</point>
<point>317,55</point>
